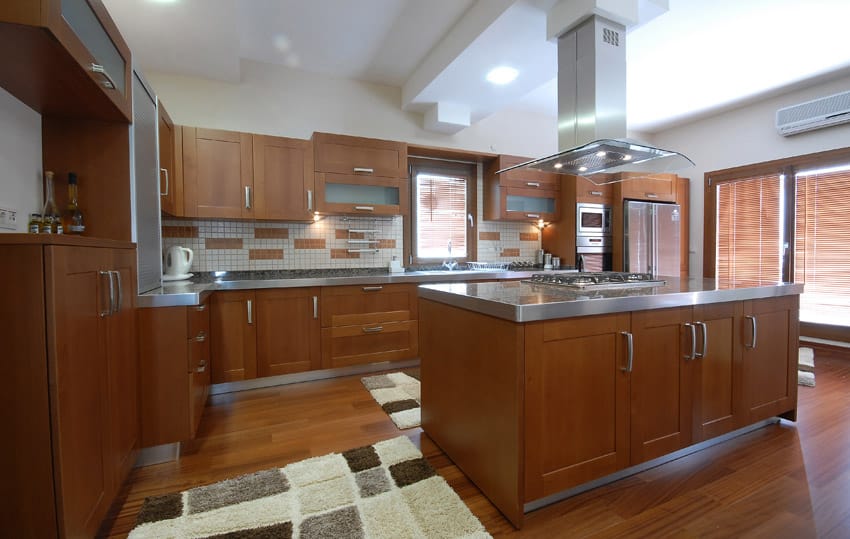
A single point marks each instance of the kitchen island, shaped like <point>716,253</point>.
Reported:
<point>537,391</point>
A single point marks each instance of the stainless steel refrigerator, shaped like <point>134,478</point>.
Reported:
<point>651,238</point>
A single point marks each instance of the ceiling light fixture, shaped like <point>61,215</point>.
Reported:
<point>502,75</point>
<point>558,165</point>
<point>601,154</point>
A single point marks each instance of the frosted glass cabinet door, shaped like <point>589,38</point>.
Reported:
<point>529,204</point>
<point>84,22</point>
<point>351,194</point>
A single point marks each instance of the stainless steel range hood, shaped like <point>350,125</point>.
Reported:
<point>592,111</point>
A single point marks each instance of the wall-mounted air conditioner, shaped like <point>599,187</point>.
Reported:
<point>815,114</point>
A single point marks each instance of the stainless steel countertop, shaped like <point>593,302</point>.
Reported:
<point>179,293</point>
<point>523,302</point>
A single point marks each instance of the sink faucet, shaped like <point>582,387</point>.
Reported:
<point>449,264</point>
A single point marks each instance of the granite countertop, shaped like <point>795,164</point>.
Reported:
<point>194,290</point>
<point>525,302</point>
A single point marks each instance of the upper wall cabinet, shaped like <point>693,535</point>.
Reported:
<point>283,178</point>
<point>65,58</point>
<point>521,194</point>
<point>170,179</point>
<point>342,154</point>
<point>217,173</point>
<point>658,188</point>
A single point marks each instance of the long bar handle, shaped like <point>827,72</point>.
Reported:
<point>364,170</point>
<point>315,307</point>
<point>533,184</point>
<point>755,328</point>
<point>247,197</point>
<point>376,329</point>
<point>651,195</point>
<point>704,350</point>
<point>309,200</point>
<point>596,193</point>
<point>165,194</point>
<point>109,82</point>
<point>364,208</point>
<point>250,306</point>
<point>693,353</point>
<point>108,312</point>
<point>372,288</point>
<point>533,215</point>
<point>120,298</point>
<point>630,345</point>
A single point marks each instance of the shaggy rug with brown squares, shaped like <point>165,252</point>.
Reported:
<point>399,396</point>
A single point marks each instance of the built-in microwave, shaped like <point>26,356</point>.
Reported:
<point>593,219</point>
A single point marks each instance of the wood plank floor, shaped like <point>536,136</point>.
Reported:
<point>786,480</point>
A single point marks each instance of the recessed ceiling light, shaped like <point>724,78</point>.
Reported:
<point>601,154</point>
<point>582,169</point>
<point>627,157</point>
<point>502,75</point>
<point>557,165</point>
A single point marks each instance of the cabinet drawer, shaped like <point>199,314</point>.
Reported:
<point>361,195</point>
<point>356,305</point>
<point>369,343</point>
<point>199,319</point>
<point>343,154</point>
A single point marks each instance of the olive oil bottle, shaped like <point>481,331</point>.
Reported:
<point>72,220</point>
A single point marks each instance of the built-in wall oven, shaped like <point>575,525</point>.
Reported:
<point>593,237</point>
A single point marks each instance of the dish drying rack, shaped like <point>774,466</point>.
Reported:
<point>368,243</point>
<point>488,266</point>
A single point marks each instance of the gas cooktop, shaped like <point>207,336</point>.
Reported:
<point>596,280</point>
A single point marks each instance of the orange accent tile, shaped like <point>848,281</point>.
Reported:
<point>265,254</point>
<point>493,236</point>
<point>343,253</point>
<point>179,231</point>
<point>529,236</point>
<point>271,233</point>
<point>385,244</point>
<point>309,243</point>
<point>510,252</point>
<point>342,234</point>
<point>223,243</point>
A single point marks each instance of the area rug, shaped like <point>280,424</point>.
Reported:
<point>386,490</point>
<point>806,367</point>
<point>399,396</point>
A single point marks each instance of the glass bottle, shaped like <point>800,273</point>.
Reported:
<point>34,225</point>
<point>72,221</point>
<point>51,223</point>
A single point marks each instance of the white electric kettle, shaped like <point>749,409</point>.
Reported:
<point>178,260</point>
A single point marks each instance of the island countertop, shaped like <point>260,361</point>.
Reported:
<point>525,302</point>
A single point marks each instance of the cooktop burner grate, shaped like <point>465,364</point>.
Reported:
<point>596,280</point>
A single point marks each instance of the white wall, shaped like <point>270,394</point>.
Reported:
<point>744,136</point>
<point>20,159</point>
<point>275,100</point>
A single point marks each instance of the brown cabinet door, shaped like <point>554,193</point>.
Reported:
<point>770,330</point>
<point>342,154</point>
<point>287,330</point>
<point>77,296</point>
<point>587,191</point>
<point>233,327</point>
<point>123,367</point>
<point>361,195</point>
<point>523,177</point>
<point>717,373</point>
<point>661,397</point>
<point>283,178</point>
<point>170,193</point>
<point>659,188</point>
<point>217,173</point>
<point>575,382</point>
<point>367,304</point>
<point>369,343</point>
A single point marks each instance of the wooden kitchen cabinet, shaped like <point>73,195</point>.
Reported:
<point>770,333</point>
<point>283,178</point>
<point>65,58</point>
<point>368,324</point>
<point>657,188</point>
<point>343,154</point>
<point>361,195</point>
<point>170,139</point>
<point>174,347</point>
<point>587,191</point>
<point>71,411</point>
<point>217,173</point>
<point>575,382</point>
<point>234,336</point>
<point>287,331</point>
<point>522,194</point>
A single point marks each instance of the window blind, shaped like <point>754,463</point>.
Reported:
<point>749,220</point>
<point>822,243</point>
<point>441,216</point>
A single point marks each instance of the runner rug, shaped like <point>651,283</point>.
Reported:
<point>399,396</point>
<point>806,367</point>
<point>386,490</point>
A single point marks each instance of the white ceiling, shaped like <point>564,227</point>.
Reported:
<point>699,57</point>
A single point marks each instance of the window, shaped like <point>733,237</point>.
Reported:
<point>443,198</point>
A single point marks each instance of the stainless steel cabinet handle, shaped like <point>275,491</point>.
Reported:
<point>471,221</point>
<point>651,195</point>
<point>108,311</point>
<point>309,200</point>
<point>315,307</point>
<point>202,366</point>
<point>596,193</point>
<point>704,329</point>
<point>201,308</point>
<point>165,194</point>
<point>364,170</point>
<point>364,208</point>
<point>372,288</point>
<point>120,298</point>
<point>108,83</point>
<point>201,336</point>
<point>250,306</point>
<point>755,329</point>
<point>533,184</point>
<point>247,197</point>
<point>693,353</point>
<point>630,344</point>
<point>376,329</point>
<point>533,215</point>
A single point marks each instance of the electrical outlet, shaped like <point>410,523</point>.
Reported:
<point>8,219</point>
